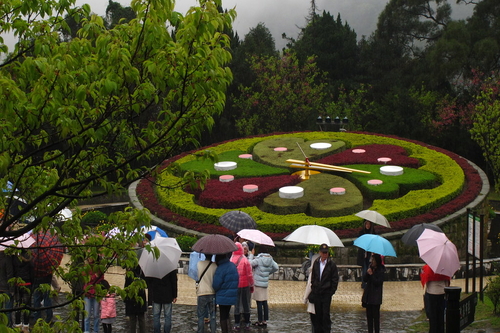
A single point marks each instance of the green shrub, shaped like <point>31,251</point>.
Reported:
<point>447,172</point>
<point>493,291</point>
<point>94,218</point>
<point>186,242</point>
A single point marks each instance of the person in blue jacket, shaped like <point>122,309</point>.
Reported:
<point>225,284</point>
<point>263,266</point>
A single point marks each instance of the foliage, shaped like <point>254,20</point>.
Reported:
<point>282,97</point>
<point>420,206</point>
<point>93,218</point>
<point>332,43</point>
<point>486,125</point>
<point>101,111</point>
<point>230,195</point>
<point>186,242</point>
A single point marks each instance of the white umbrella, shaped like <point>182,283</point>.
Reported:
<point>373,216</point>
<point>255,236</point>
<point>314,234</point>
<point>170,253</point>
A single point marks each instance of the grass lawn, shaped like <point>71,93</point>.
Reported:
<point>485,320</point>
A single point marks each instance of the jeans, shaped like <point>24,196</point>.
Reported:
<point>206,309</point>
<point>38,297</point>
<point>167,313</point>
<point>373,317</point>
<point>92,308</point>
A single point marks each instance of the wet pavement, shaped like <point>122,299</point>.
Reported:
<point>402,305</point>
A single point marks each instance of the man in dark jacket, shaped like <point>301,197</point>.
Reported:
<point>164,293</point>
<point>324,282</point>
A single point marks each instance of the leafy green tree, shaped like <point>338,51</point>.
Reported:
<point>333,43</point>
<point>285,96</point>
<point>486,125</point>
<point>117,14</point>
<point>65,106</point>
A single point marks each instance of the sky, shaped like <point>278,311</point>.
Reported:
<point>288,16</point>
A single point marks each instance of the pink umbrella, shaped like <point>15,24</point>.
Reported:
<point>438,252</point>
<point>255,236</point>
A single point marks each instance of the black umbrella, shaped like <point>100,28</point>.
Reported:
<point>214,244</point>
<point>411,236</point>
<point>237,220</point>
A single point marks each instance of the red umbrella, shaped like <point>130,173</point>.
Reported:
<point>47,253</point>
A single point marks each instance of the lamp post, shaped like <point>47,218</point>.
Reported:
<point>337,125</point>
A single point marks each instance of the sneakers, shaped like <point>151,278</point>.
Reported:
<point>236,327</point>
<point>247,326</point>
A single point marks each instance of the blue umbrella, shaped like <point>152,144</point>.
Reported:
<point>154,230</point>
<point>376,244</point>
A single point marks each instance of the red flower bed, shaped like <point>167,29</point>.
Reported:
<point>397,154</point>
<point>230,195</point>
<point>472,188</point>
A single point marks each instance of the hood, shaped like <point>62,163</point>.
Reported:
<point>239,251</point>
<point>266,258</point>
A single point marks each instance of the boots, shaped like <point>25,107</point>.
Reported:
<point>224,326</point>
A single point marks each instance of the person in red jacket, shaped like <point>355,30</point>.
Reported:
<point>245,287</point>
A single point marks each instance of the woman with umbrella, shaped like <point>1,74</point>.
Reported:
<point>245,287</point>
<point>225,284</point>
<point>372,295</point>
<point>434,297</point>
<point>363,259</point>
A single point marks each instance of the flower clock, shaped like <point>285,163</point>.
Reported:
<point>286,180</point>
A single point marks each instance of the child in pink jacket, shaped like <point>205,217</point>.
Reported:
<point>108,309</point>
<point>245,287</point>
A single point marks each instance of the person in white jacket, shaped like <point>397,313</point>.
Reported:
<point>263,266</point>
<point>206,294</point>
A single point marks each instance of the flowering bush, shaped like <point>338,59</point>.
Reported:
<point>230,195</point>
<point>471,189</point>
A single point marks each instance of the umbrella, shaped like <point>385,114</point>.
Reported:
<point>236,220</point>
<point>23,241</point>
<point>255,236</point>
<point>214,244</point>
<point>373,216</point>
<point>47,253</point>
<point>153,231</point>
<point>314,234</point>
<point>411,236</point>
<point>438,252</point>
<point>376,244</point>
<point>170,253</point>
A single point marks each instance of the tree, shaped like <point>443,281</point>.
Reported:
<point>486,125</point>
<point>334,45</point>
<point>89,116</point>
<point>117,14</point>
<point>284,96</point>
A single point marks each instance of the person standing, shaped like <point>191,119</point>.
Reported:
<point>135,310</point>
<point>225,284</point>
<point>23,270</point>
<point>245,287</point>
<point>435,297</point>
<point>92,308</point>
<point>372,295</point>
<point>108,308</point>
<point>164,294</point>
<point>6,273</point>
<point>206,294</point>
<point>324,282</point>
<point>363,258</point>
<point>263,266</point>
<point>310,306</point>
